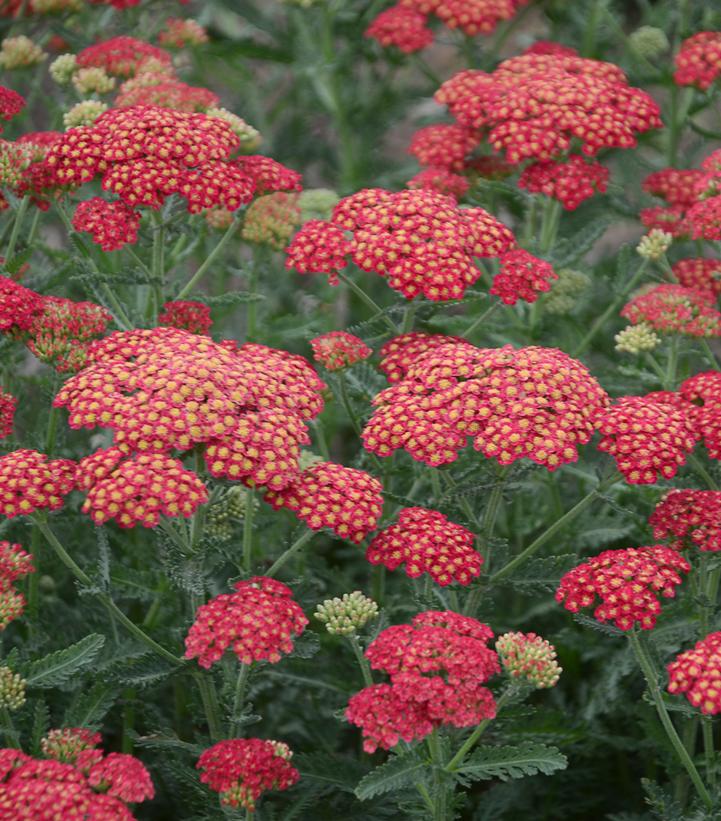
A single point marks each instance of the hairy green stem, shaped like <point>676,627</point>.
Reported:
<point>209,260</point>
<point>19,217</point>
<point>480,320</point>
<point>241,685</point>
<point>248,529</point>
<point>697,466</point>
<point>652,683</point>
<point>559,524</point>
<point>369,301</point>
<point>469,743</point>
<point>291,551</point>
<point>362,660</point>
<point>210,704</point>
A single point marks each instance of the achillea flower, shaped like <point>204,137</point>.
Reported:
<point>164,388</point>
<point>703,219</point>
<point>343,616</point>
<point>60,333</point>
<point>636,339</point>
<point>250,138</point>
<point>187,315</point>
<point>8,404</point>
<point>402,27</point>
<point>698,62</point>
<point>647,438</point>
<point>440,180</point>
<point>699,273</point>
<point>272,219</point>
<point>522,276</point>
<point>319,248</point>
<point>122,776</point>
<point>62,68</point>
<point>443,146</point>
<point>437,666</point>
<point>533,106</point>
<point>18,305</point>
<point>534,403</point>
<point>654,244</point>
<point>690,517</point>
<point>29,481</point>
<point>66,744</point>
<point>47,788</point>
<point>338,349</point>
<point>122,56</point>
<point>425,541</point>
<point>345,500</point>
<point>113,225</point>
<point>138,490</point>
<point>12,689</point>
<point>420,241</point>
<point>529,657</point>
<point>93,80</point>
<point>180,32</point>
<point>675,185</point>
<point>166,92</point>
<point>257,622</point>
<point>20,52</point>
<point>400,352</point>
<point>571,182</point>
<point>11,104</point>
<point>627,582</point>
<point>242,769</point>
<point>674,309</point>
<point>670,219</point>
<point>700,398</point>
<point>14,563</point>
<point>697,674</point>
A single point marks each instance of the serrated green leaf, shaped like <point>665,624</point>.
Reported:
<point>140,672</point>
<point>90,707</point>
<point>56,668</point>
<point>398,772</point>
<point>574,247</point>
<point>512,762</point>
<point>341,773</point>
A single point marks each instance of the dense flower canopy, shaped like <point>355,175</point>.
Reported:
<point>534,403</point>
<point>690,518</point>
<point>697,674</point>
<point>671,308</point>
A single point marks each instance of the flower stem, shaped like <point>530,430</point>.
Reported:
<point>652,683</point>
<point>210,259</point>
<point>612,309</point>
<point>698,467</point>
<point>369,301</point>
<point>294,548</point>
<point>19,217</point>
<point>248,529</point>
<point>362,660</point>
<point>241,686</point>
<point>457,759</point>
<point>559,524</point>
<point>210,705</point>
<point>480,320</point>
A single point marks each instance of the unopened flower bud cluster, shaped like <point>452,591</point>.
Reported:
<point>635,339</point>
<point>12,689</point>
<point>654,245</point>
<point>343,616</point>
<point>529,657</point>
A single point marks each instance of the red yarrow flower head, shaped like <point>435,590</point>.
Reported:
<point>571,182</point>
<point>14,563</point>
<point>345,500</point>
<point>18,305</point>
<point>420,241</point>
<point>443,146</point>
<point>425,541</point>
<point>122,776</point>
<point>437,666</point>
<point>257,623</point>
<point>11,104</point>
<point>703,219</point>
<point>193,317</point>
<point>522,276</point>
<point>319,248</point>
<point>648,438</point>
<point>337,350</point>
<point>180,32</point>
<point>8,404</point>
<point>138,490</point>
<point>675,309</point>
<point>67,743</point>
<point>534,403</point>
<point>627,582</point>
<point>441,180</point>
<point>697,674</point>
<point>112,224</point>
<point>165,91</point>
<point>402,27</point>
<point>698,62</point>
<point>699,273</point>
<point>399,353</point>
<point>29,481</point>
<point>675,185</point>
<point>700,398</point>
<point>122,56</point>
<point>242,769</point>
<point>692,518</point>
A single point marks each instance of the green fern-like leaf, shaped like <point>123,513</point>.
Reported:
<point>90,707</point>
<point>508,763</point>
<point>56,668</point>
<point>397,773</point>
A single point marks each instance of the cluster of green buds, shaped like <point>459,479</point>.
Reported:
<point>12,689</point>
<point>566,290</point>
<point>67,743</point>
<point>529,657</point>
<point>343,616</point>
<point>93,80</point>
<point>317,204</point>
<point>308,459</point>
<point>227,511</point>
<point>654,244</point>
<point>636,339</point>
<point>20,52</point>
<point>63,68</point>
<point>250,138</point>
<point>649,42</point>
<point>85,112</point>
